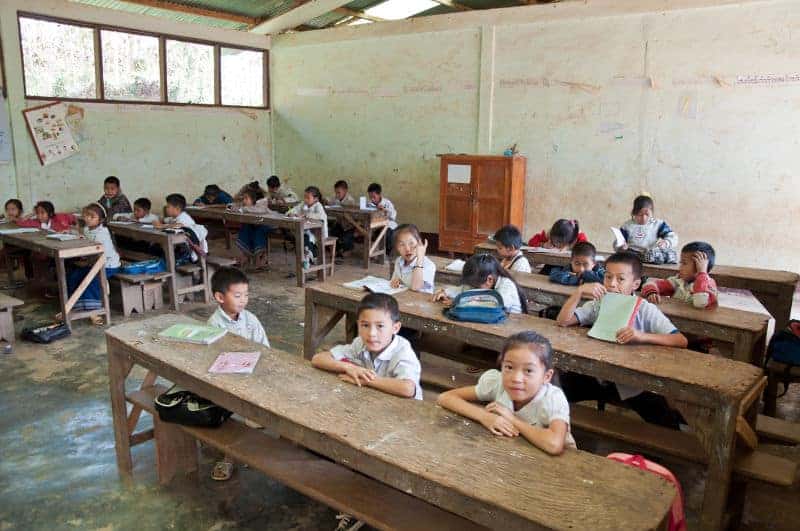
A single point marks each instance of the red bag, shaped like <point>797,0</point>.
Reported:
<point>677,521</point>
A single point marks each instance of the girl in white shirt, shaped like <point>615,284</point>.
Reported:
<point>483,271</point>
<point>311,208</point>
<point>412,268</point>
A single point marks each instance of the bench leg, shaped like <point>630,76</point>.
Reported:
<point>7,325</point>
<point>771,395</point>
<point>721,449</point>
<point>176,451</point>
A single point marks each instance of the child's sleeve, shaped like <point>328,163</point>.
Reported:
<point>595,275</point>
<point>347,351</point>
<point>587,314</point>
<point>428,274</point>
<point>521,265</point>
<point>704,292</point>
<point>295,210</point>
<point>654,321</point>
<point>557,407</point>
<point>31,222</point>
<point>666,233</point>
<point>396,268</point>
<point>391,211</point>
<point>407,367</point>
<point>563,275</point>
<point>488,385</point>
<point>658,286</point>
<point>537,240</point>
<point>261,334</point>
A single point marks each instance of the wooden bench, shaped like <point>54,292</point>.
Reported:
<point>215,262</point>
<point>140,292</point>
<point>309,474</point>
<point>193,278</point>
<point>777,372</point>
<point>7,305</point>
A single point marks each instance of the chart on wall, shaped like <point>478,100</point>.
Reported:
<point>50,132</point>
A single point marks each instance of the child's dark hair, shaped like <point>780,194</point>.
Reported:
<point>177,201</point>
<point>212,189</point>
<point>703,247</point>
<point>379,301</point>
<point>273,182</point>
<point>642,201</point>
<point>374,188</point>
<point>340,184</point>
<point>409,228</point>
<point>16,202</point>
<point>97,209</point>
<point>112,180</point>
<point>314,191</point>
<point>225,277</point>
<point>47,206</point>
<point>537,344</point>
<point>143,203</point>
<point>478,268</point>
<point>509,236</point>
<point>253,194</point>
<point>627,257</point>
<point>564,232</point>
<point>584,249</point>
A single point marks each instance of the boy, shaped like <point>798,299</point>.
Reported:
<point>277,195</point>
<point>141,212</point>
<point>583,268</point>
<point>343,230</point>
<point>230,288</point>
<point>113,200</point>
<point>341,195</point>
<point>509,247</point>
<point>692,284</point>
<point>178,218</point>
<point>375,193</point>
<point>213,195</point>
<point>623,275</point>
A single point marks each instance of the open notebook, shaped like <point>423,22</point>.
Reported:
<point>374,284</point>
<point>616,312</point>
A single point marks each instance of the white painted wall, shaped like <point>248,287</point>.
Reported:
<point>606,98</point>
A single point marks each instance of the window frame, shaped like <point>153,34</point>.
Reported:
<point>162,60</point>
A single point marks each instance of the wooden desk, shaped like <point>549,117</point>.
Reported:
<point>366,222</point>
<point>712,392</point>
<point>167,241</point>
<point>745,331</point>
<point>775,289</point>
<point>411,445</point>
<point>61,251</point>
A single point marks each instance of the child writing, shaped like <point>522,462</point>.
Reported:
<point>521,399</point>
<point>141,213</point>
<point>278,195</point>
<point>692,283</point>
<point>509,247</point>
<point>230,287</point>
<point>562,235</point>
<point>44,217</point>
<point>412,268</point>
<point>178,218</point>
<point>113,200</point>
<point>13,210</point>
<point>311,208</point>
<point>483,271</point>
<point>650,326</point>
<point>213,195</point>
<point>252,239</point>
<point>341,229</point>
<point>647,236</point>
<point>376,200</point>
<point>583,268</point>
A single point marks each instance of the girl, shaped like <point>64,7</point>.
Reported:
<point>252,239</point>
<point>521,399</point>
<point>649,237</point>
<point>13,210</point>
<point>483,271</point>
<point>94,217</point>
<point>44,217</point>
<point>412,268</point>
<point>311,208</point>
<point>562,236</point>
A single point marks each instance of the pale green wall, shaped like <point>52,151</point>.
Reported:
<point>605,102</point>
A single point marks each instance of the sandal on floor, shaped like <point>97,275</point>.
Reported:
<point>222,471</point>
<point>97,320</point>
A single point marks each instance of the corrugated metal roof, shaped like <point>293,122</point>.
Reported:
<point>163,13</point>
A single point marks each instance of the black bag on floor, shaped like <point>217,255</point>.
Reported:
<point>180,406</point>
<point>45,333</point>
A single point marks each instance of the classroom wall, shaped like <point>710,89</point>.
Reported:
<point>153,149</point>
<point>607,99</point>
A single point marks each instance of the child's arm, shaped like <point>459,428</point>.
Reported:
<point>418,274</point>
<point>589,277</point>
<point>461,401</point>
<point>624,246</point>
<point>666,236</point>
<point>655,288</point>
<point>550,440</point>
<point>402,387</point>
<point>567,317</point>
<point>563,275</point>
<point>326,362</point>
<point>704,289</point>
<point>631,335</point>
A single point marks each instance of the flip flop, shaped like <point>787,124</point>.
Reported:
<point>222,471</point>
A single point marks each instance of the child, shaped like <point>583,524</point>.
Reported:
<point>412,268</point>
<point>311,208</point>
<point>141,213</point>
<point>13,210</point>
<point>692,284</point>
<point>254,185</point>
<point>44,217</point>
<point>521,399</point>
<point>278,195</point>
<point>113,200</point>
<point>509,247</point>
<point>341,195</point>
<point>341,229</point>
<point>483,271</point>
<point>178,218</point>
<point>562,235</point>
<point>651,238</point>
<point>375,193</point>
<point>94,217</point>
<point>230,289</point>
<point>583,269</point>
<point>214,195</point>
<point>252,239</point>
<point>650,326</point>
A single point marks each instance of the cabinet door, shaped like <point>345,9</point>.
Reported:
<point>491,190</point>
<point>456,223</point>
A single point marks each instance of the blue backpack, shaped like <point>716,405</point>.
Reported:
<point>145,267</point>
<point>784,347</point>
<point>477,306</point>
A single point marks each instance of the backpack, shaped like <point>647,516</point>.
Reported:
<point>180,406</point>
<point>784,347</point>
<point>45,333</point>
<point>677,520</point>
<point>145,267</point>
<point>477,306</point>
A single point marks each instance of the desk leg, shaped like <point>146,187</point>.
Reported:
<point>310,328</point>
<point>779,305</point>
<point>720,467</point>
<point>744,349</point>
<point>205,279</point>
<point>9,263</point>
<point>169,254</point>
<point>105,290</point>
<point>119,366</point>
<point>299,252</point>
<point>63,295</point>
<point>367,245</point>
<point>322,275</point>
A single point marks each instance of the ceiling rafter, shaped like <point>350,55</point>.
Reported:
<point>200,11</point>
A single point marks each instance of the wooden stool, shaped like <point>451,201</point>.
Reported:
<point>777,372</point>
<point>330,243</point>
<point>7,317</point>
<point>215,262</point>
<point>141,292</point>
<point>130,294</point>
<point>153,295</point>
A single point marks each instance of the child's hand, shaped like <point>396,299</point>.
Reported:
<point>499,425</point>
<point>421,250</point>
<point>662,244</point>
<point>357,375</point>
<point>700,261</point>
<point>655,298</point>
<point>547,245</point>
<point>441,296</point>
<point>628,335</point>
<point>500,410</point>
<point>593,289</point>
<point>395,283</point>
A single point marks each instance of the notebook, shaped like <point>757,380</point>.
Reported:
<point>191,333</point>
<point>456,266</point>
<point>62,237</point>
<point>235,363</point>
<point>20,230</point>
<point>374,284</point>
<point>616,312</point>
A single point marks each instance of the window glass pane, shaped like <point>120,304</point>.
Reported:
<point>58,59</point>
<point>130,66</point>
<point>190,72</point>
<point>242,77</point>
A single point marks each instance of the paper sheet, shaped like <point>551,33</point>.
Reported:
<point>456,266</point>
<point>616,312</point>
<point>235,363</point>
<point>619,239</point>
<point>19,230</point>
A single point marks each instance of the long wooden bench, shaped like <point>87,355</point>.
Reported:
<point>320,479</point>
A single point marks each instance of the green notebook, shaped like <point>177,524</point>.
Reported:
<point>616,311</point>
<point>191,333</point>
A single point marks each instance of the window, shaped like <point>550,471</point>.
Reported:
<point>130,66</point>
<point>59,59</point>
<point>86,61</point>
<point>242,77</point>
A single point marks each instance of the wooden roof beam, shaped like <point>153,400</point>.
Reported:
<point>454,5</point>
<point>298,16</point>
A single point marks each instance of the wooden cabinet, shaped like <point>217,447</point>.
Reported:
<point>478,194</point>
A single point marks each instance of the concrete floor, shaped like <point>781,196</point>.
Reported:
<point>57,462</point>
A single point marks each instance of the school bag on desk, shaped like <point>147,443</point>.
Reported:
<point>477,306</point>
<point>784,347</point>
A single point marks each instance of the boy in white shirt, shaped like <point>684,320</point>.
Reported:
<point>375,192</point>
<point>278,195</point>
<point>343,230</point>
<point>509,247</point>
<point>311,208</point>
<point>141,213</point>
<point>178,218</point>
